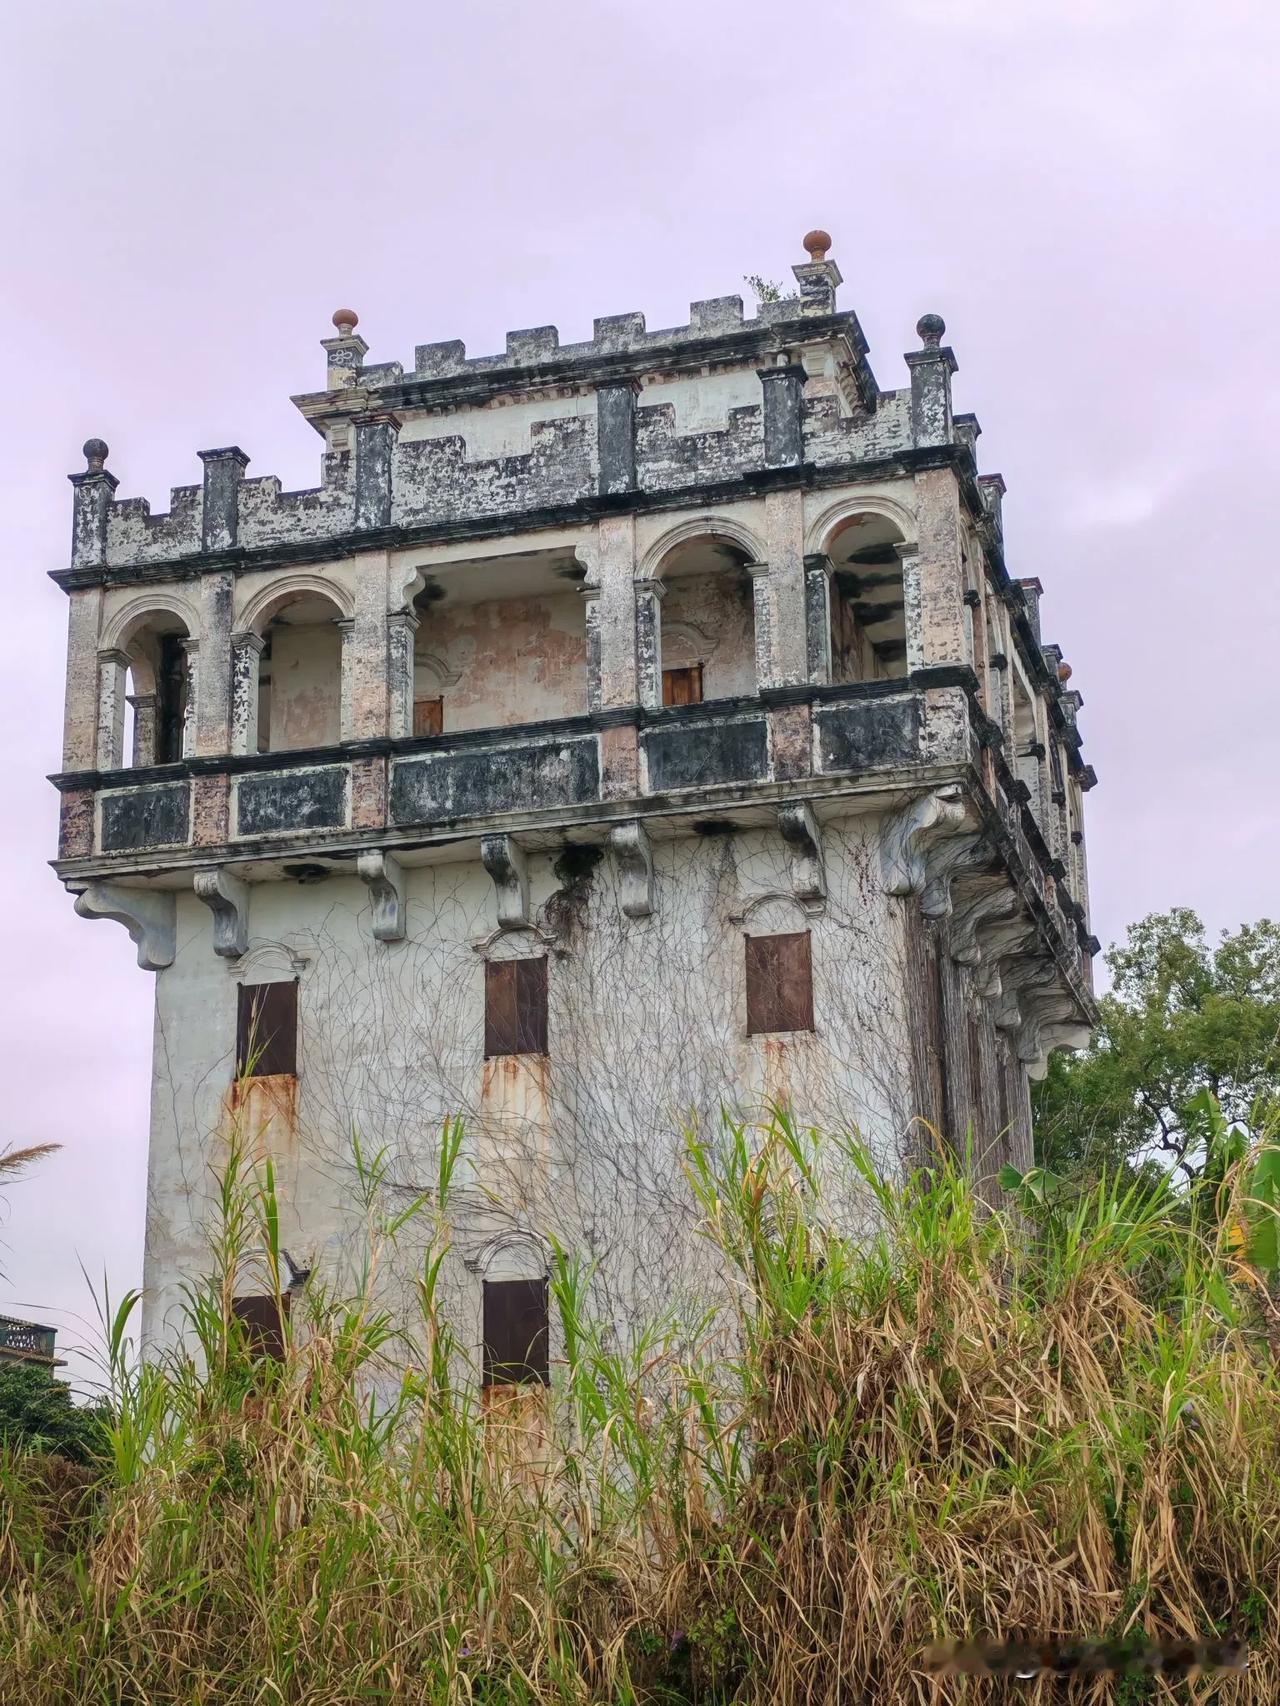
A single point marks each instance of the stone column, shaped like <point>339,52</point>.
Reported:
<point>112,669</point>
<point>80,704</point>
<point>213,702</point>
<point>649,642</point>
<point>246,655</point>
<point>144,727</point>
<point>192,649</point>
<point>346,715</point>
<point>402,625</point>
<point>817,600</point>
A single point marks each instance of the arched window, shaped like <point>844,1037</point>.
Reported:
<point>707,621</point>
<point>868,624</point>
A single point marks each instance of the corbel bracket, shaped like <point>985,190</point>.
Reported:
<point>803,836</point>
<point>228,899</point>
<point>907,836</point>
<point>629,844</point>
<point>383,877</point>
<point>149,915</point>
<point>504,860</point>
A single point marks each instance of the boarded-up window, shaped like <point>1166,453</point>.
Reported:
<point>516,1332</point>
<point>682,686</point>
<point>263,1321</point>
<point>267,1029</point>
<point>428,716</point>
<point>515,1007</point>
<point>779,983</point>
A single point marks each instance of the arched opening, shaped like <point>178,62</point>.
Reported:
<point>159,709</point>
<point>868,623</point>
<point>708,621</point>
<point>1026,740</point>
<point>300,673</point>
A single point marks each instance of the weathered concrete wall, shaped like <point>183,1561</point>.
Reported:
<point>306,686</point>
<point>709,619</point>
<point>646,1028</point>
<point>503,661</point>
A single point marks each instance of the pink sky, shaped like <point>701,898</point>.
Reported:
<point>1085,189</point>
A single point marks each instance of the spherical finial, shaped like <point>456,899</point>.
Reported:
<point>95,454</point>
<point>1064,672</point>
<point>930,328</point>
<point>346,320</point>
<point>816,244</point>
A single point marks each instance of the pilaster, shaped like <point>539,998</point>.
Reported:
<point>376,436</point>
<point>220,513</point>
<point>616,611</point>
<point>80,702</point>
<point>616,436</point>
<point>783,387</point>
<point>933,585</point>
<point>94,491</point>
<point>192,649</point>
<point>931,369</point>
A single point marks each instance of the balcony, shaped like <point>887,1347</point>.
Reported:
<point>27,1341</point>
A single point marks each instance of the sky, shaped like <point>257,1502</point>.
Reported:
<point>1084,189</point>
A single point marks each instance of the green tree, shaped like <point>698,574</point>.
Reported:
<point>1183,1017</point>
<point>37,1413</point>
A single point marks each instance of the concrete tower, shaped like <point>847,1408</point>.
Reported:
<point>620,730</point>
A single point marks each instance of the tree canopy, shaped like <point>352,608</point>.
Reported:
<point>1183,1016</point>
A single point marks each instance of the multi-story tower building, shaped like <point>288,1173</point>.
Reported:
<point>620,731</point>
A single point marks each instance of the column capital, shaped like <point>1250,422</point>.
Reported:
<point>651,584</point>
<point>246,640</point>
<point>905,549</point>
<point>404,619</point>
<point>818,563</point>
<point>116,655</point>
<point>756,570</point>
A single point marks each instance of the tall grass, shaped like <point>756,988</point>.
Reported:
<point>957,1426</point>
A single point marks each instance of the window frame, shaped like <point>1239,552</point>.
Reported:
<point>767,978</point>
<point>524,1024</point>
<point>274,1058</point>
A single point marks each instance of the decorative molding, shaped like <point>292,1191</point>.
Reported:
<point>826,523</point>
<point>260,610</point>
<point>907,836</point>
<point>149,915</point>
<point>629,844</point>
<point>700,527</point>
<point>803,836</point>
<point>504,860</point>
<point>228,899</point>
<point>384,878</point>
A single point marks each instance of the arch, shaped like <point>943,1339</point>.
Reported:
<point>266,604</point>
<point>700,527</point>
<point>513,1255</point>
<point>826,524</point>
<point>121,629</point>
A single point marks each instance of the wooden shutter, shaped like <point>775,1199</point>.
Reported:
<point>779,983</point>
<point>515,1007</point>
<point>263,1323</point>
<point>267,1029</point>
<point>682,686</point>
<point>516,1332</point>
<point>428,716</point>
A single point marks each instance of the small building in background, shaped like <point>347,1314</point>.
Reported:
<point>28,1342</point>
